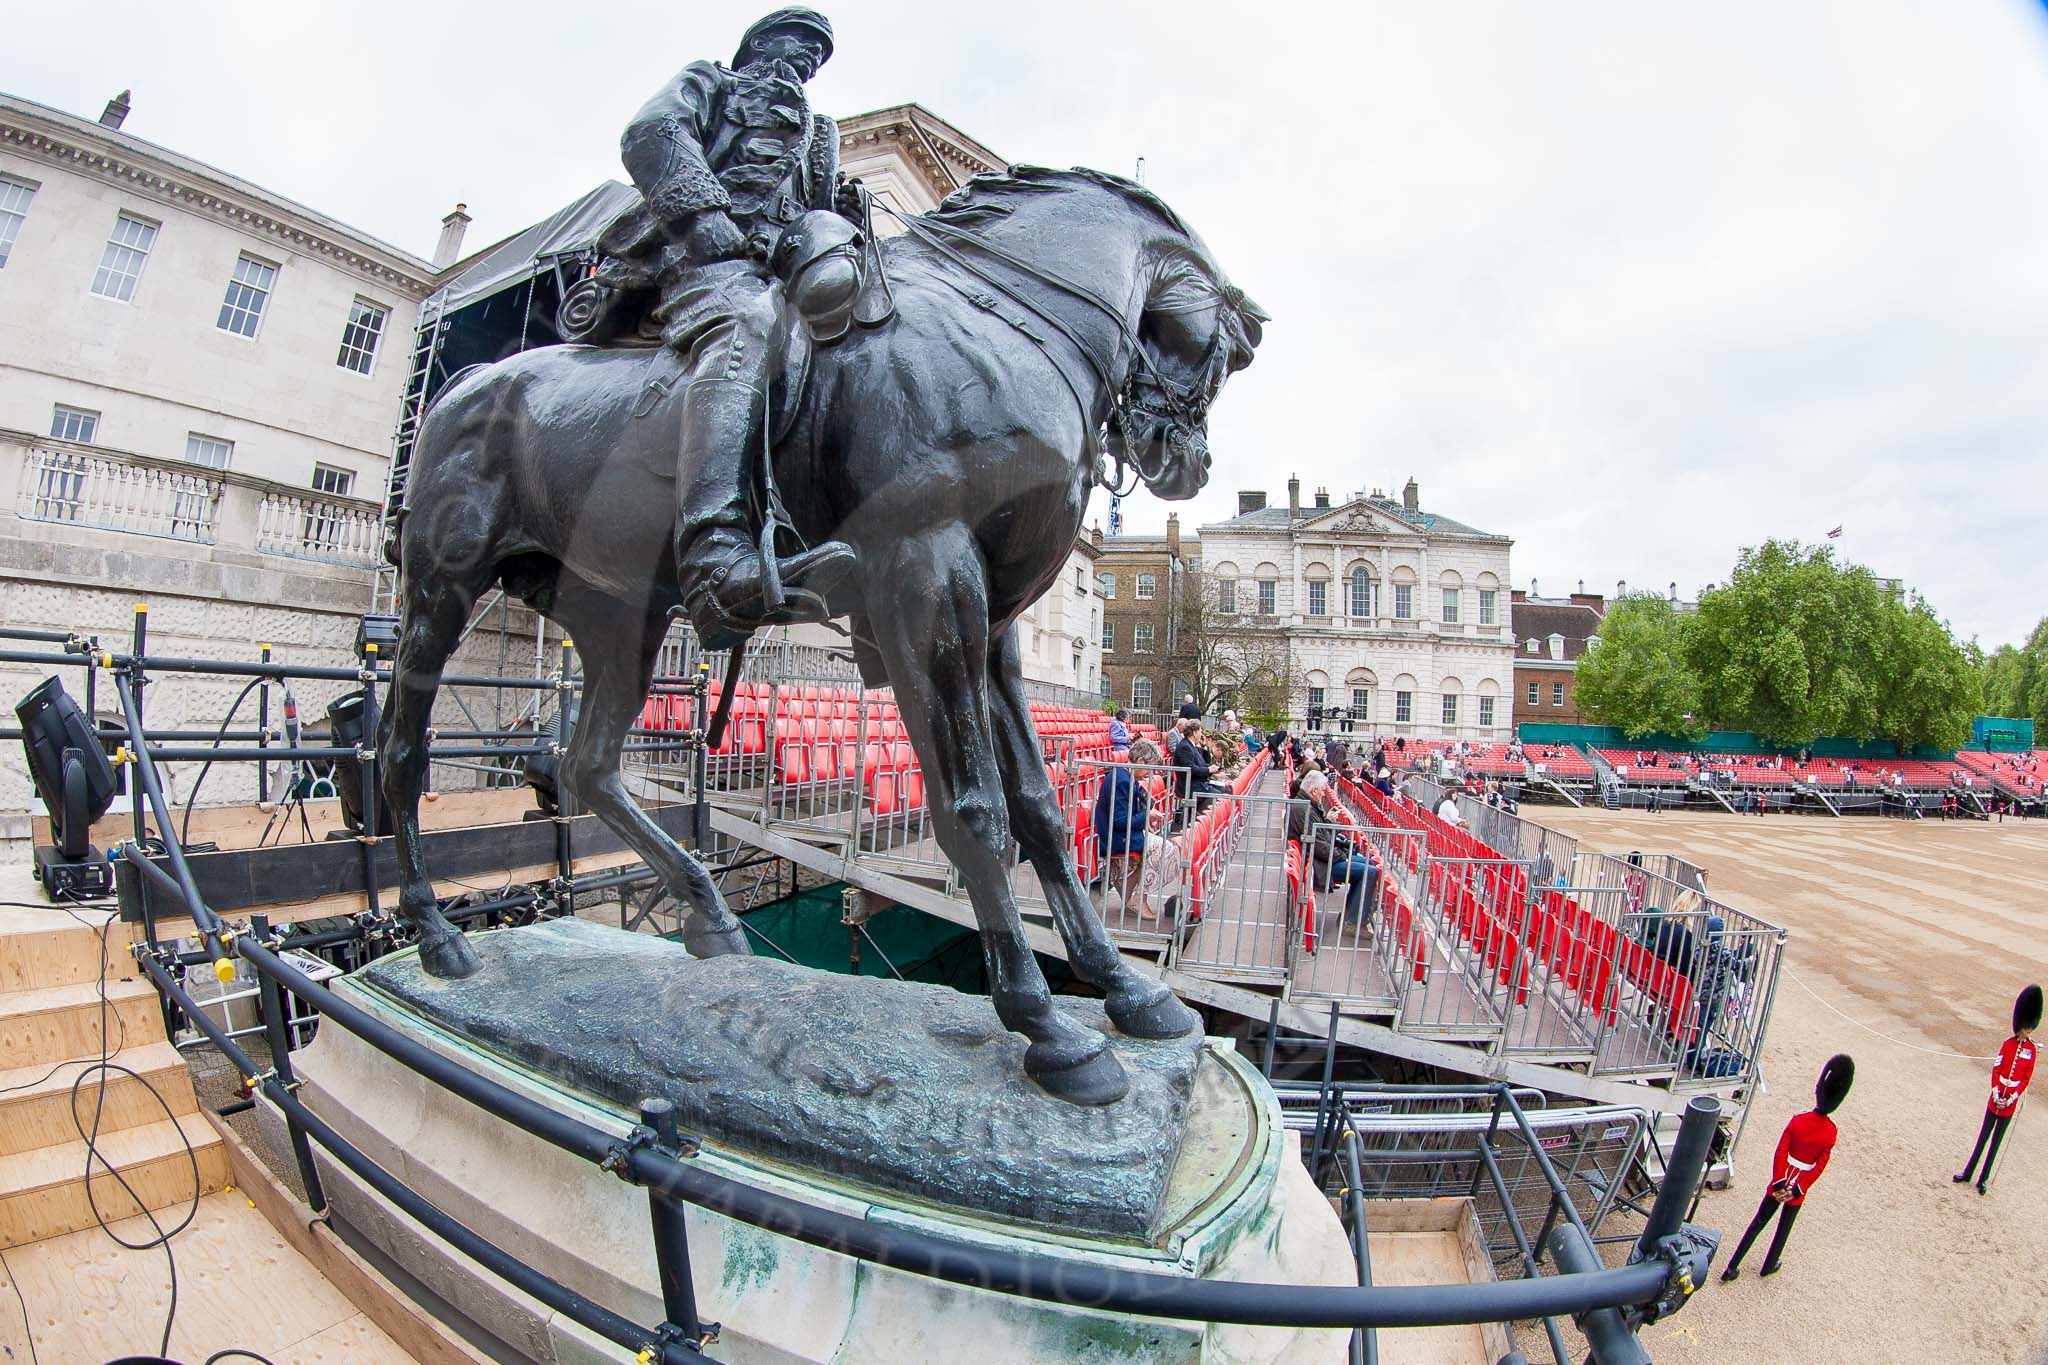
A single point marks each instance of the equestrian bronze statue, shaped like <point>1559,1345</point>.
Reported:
<point>917,450</point>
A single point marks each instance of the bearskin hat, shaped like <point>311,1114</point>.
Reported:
<point>2026,1011</point>
<point>1833,1087</point>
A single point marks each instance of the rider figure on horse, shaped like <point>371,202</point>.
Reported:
<point>735,172</point>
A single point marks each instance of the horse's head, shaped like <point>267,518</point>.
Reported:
<point>1197,329</point>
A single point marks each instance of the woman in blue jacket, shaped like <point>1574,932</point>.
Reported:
<point>1123,809</point>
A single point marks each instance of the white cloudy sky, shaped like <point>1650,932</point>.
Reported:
<point>1635,282</point>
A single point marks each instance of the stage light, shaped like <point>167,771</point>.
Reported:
<point>76,783</point>
<point>352,724</point>
<point>376,628</point>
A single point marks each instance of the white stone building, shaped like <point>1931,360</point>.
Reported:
<point>1395,615</point>
<point>1060,635</point>
<point>154,307</point>
<point>198,384</point>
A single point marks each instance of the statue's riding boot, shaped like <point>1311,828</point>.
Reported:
<point>730,588</point>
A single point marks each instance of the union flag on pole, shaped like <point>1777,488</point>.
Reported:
<point>1835,533</point>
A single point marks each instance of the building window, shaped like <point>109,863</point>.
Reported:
<point>74,424</point>
<point>210,451</point>
<point>1226,596</point>
<point>1361,593</point>
<point>1488,607</point>
<point>1532,694</point>
<point>121,261</point>
<point>1148,587</point>
<point>1557,694</point>
<point>1361,703</point>
<point>1404,601</point>
<point>1141,694</point>
<point>327,479</point>
<point>14,197</point>
<point>1404,707</point>
<point>1269,596</point>
<point>1106,693</point>
<point>1108,582</point>
<point>1141,637</point>
<point>1450,708</point>
<point>1109,637</point>
<point>1315,702</point>
<point>1318,598</point>
<point>1486,713</point>
<point>248,291</point>
<point>360,337</point>
<point>1450,606</point>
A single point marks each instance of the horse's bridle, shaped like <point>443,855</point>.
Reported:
<point>1185,410</point>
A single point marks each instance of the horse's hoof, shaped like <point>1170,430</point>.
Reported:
<point>1097,1078</point>
<point>1151,1010</point>
<point>448,956</point>
<point>705,941</point>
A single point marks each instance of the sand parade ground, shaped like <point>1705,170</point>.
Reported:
<point>1909,942</point>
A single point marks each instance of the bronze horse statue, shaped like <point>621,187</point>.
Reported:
<point>1040,316</point>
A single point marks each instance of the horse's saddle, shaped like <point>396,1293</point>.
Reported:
<point>821,260</point>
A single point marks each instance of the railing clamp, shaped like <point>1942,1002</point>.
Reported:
<point>619,1156</point>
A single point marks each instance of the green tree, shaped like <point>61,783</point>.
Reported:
<point>2016,678</point>
<point>1786,649</point>
<point>1637,677</point>
<point>1928,690</point>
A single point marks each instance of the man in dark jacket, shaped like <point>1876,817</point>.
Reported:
<point>1276,745</point>
<point>1311,822</point>
<point>1189,710</point>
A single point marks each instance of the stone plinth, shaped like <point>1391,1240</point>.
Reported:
<point>903,1087</point>
<point>1235,1204</point>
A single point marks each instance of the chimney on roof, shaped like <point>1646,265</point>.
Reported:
<point>1411,496</point>
<point>116,110</point>
<point>450,246</point>
<point>1674,591</point>
<point>1322,498</point>
<point>1532,589</point>
<point>1173,534</point>
<point>1095,533</point>
<point>1582,585</point>
<point>1620,588</point>
<point>1251,500</point>
<point>1293,498</point>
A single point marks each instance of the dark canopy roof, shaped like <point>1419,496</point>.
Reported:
<point>571,228</point>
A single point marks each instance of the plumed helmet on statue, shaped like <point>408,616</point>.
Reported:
<point>793,16</point>
<point>1833,1087</point>
<point>2026,1011</point>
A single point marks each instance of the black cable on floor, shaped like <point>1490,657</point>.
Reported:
<point>185,829</point>
<point>28,1328</point>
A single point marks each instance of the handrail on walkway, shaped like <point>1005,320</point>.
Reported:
<point>656,1157</point>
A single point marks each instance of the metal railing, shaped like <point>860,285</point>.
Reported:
<point>113,493</point>
<point>657,1158</point>
<point>327,530</point>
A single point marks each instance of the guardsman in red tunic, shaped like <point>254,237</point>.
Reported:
<point>2009,1077</point>
<point>1802,1155</point>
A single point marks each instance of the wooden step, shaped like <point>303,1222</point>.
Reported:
<point>42,1193</point>
<point>53,1024</point>
<point>48,947</point>
<point>36,1101</point>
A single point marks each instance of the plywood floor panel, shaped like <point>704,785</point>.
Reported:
<point>90,1300</point>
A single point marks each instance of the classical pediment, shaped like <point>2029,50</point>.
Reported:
<point>1357,517</point>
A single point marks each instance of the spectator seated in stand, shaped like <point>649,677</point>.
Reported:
<point>1120,731</point>
<point>1123,811</point>
<point>1312,822</point>
<point>1193,759</point>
